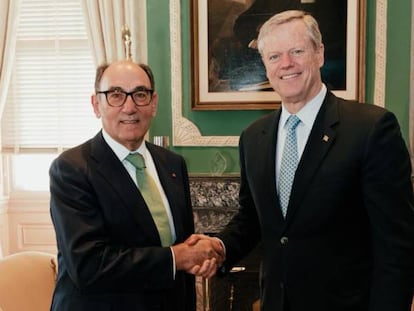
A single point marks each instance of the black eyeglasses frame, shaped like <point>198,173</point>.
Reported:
<point>140,89</point>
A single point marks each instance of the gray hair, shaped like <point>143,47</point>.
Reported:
<point>287,16</point>
<point>101,69</point>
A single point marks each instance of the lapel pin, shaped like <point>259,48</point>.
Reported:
<point>325,138</point>
<point>173,175</point>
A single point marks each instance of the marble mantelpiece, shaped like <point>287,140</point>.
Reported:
<point>215,200</point>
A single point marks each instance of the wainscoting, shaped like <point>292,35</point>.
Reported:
<point>25,225</point>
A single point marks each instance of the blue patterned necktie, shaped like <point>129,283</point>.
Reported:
<point>289,162</point>
<point>149,191</point>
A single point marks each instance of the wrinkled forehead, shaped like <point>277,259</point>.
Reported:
<point>287,30</point>
<point>294,30</point>
<point>127,76</point>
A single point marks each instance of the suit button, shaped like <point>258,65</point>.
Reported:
<point>284,240</point>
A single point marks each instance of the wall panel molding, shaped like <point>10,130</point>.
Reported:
<point>380,52</point>
<point>185,132</point>
<point>31,230</point>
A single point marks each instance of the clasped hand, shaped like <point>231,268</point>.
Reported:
<point>200,255</point>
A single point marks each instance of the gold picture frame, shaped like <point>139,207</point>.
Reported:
<point>212,44</point>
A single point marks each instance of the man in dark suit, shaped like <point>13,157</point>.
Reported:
<point>344,239</point>
<point>112,253</point>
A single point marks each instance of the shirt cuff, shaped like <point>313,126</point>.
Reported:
<point>173,258</point>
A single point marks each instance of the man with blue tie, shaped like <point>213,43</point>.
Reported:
<point>337,226</point>
<point>121,209</point>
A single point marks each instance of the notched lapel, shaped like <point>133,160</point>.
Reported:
<point>266,145</point>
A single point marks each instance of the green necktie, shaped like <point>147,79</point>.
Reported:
<point>149,191</point>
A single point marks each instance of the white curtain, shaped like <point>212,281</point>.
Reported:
<point>104,22</point>
<point>9,10</point>
<point>8,28</point>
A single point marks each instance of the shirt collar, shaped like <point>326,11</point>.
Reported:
<point>307,114</point>
<point>120,150</point>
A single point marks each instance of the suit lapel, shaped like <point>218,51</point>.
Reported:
<point>111,169</point>
<point>266,167</point>
<point>320,140</point>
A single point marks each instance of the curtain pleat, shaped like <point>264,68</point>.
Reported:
<point>9,13</point>
<point>104,22</point>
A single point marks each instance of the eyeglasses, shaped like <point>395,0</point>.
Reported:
<point>117,97</point>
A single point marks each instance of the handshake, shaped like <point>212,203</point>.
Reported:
<point>200,255</point>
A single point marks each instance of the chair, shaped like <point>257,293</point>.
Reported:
<point>27,281</point>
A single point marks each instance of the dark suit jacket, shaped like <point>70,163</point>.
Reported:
<point>347,242</point>
<point>109,251</point>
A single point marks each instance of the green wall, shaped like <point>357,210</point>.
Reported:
<point>199,159</point>
<point>397,96</point>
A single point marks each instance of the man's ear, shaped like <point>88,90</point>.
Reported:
<point>154,104</point>
<point>321,55</point>
<point>95,106</point>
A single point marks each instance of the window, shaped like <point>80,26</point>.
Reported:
<point>48,105</point>
<point>29,177</point>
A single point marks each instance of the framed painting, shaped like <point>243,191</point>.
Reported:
<point>227,71</point>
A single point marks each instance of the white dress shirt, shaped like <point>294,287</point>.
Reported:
<point>307,116</point>
<point>122,152</point>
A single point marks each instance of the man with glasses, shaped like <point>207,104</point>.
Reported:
<point>122,211</point>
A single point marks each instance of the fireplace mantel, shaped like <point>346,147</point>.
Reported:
<point>215,200</point>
